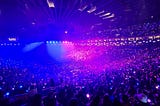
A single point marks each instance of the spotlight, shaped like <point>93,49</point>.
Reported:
<point>157,87</point>
<point>7,94</point>
<point>50,42</point>
<point>149,100</point>
<point>66,42</point>
<point>20,86</point>
<point>87,95</point>
<point>33,23</point>
<point>65,32</point>
<point>12,39</point>
<point>111,88</point>
<point>50,4</point>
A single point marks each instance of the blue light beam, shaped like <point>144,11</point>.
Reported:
<point>31,46</point>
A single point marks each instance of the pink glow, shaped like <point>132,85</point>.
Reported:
<point>93,58</point>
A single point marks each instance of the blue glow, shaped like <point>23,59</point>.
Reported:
<point>112,98</point>
<point>7,94</point>
<point>55,51</point>
<point>0,88</point>
<point>111,88</point>
<point>31,46</point>
<point>20,86</point>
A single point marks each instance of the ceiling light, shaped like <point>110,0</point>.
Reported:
<point>92,9</point>
<point>101,12</point>
<point>83,8</point>
<point>50,4</point>
<point>106,14</point>
<point>111,16</point>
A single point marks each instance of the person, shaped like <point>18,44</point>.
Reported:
<point>35,100</point>
<point>73,102</point>
<point>3,101</point>
<point>95,101</point>
<point>106,101</point>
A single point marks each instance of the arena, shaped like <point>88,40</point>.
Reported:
<point>79,53</point>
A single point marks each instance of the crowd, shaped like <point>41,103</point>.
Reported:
<point>130,77</point>
<point>145,29</point>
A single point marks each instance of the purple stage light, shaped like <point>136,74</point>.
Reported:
<point>87,95</point>
<point>66,32</point>
<point>157,87</point>
<point>149,100</point>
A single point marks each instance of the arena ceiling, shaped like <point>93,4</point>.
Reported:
<point>65,19</point>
